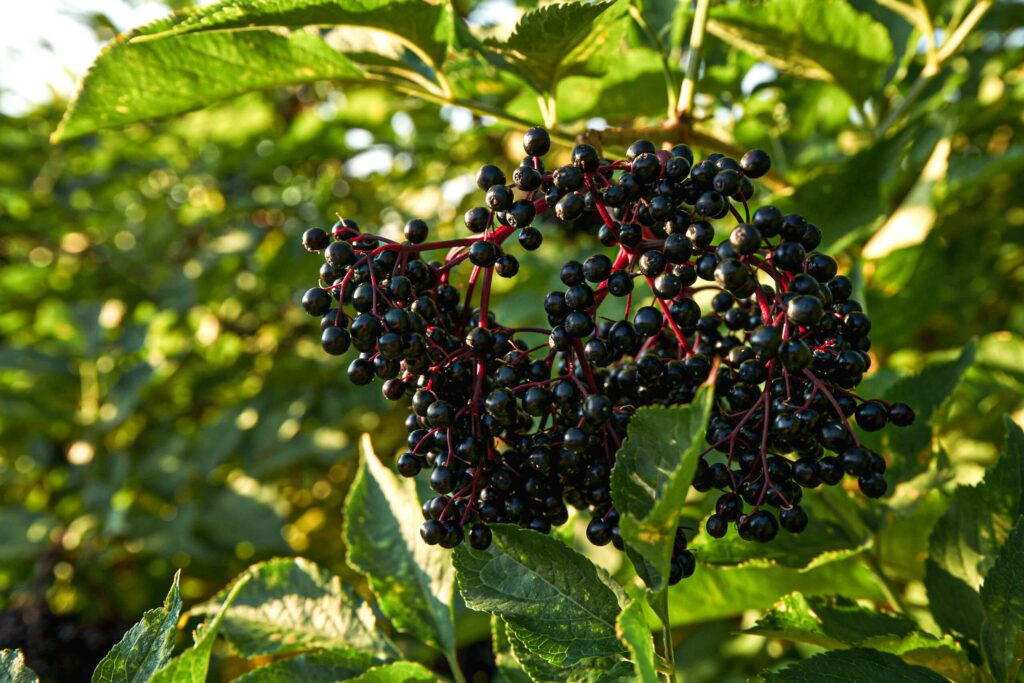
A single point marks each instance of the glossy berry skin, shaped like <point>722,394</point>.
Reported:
<point>488,176</point>
<point>519,425</point>
<point>316,301</point>
<point>480,537</point>
<point>901,415</point>
<point>793,520</point>
<point>716,526</point>
<point>335,340</point>
<point>871,417</point>
<point>761,526</point>
<point>755,163</point>
<point>416,231</point>
<point>536,142</point>
<point>315,239</point>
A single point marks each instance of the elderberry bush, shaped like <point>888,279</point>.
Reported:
<point>515,424</point>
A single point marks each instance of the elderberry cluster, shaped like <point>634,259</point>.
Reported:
<point>514,424</point>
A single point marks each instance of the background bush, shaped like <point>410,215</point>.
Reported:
<point>164,402</point>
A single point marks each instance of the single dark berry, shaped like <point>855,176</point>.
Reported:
<point>315,239</point>
<point>871,416</point>
<point>316,301</point>
<point>872,485</point>
<point>793,520</point>
<point>755,163</point>
<point>480,537</point>
<point>416,231</point>
<point>536,142</point>
<point>489,176</point>
<point>901,415</point>
<point>716,526</point>
<point>335,340</point>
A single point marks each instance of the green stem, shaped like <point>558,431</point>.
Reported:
<point>453,664</point>
<point>663,641</point>
<point>666,71</point>
<point>935,63</point>
<point>689,89</point>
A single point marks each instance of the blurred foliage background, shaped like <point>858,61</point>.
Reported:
<point>164,402</point>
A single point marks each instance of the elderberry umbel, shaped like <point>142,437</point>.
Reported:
<point>515,424</point>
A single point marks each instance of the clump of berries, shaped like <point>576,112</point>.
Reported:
<point>514,424</point>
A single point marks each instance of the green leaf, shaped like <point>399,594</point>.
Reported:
<point>825,40</point>
<point>822,543</point>
<point>13,669</point>
<point>292,605</point>
<point>715,592</point>
<point>590,670</point>
<point>508,669</point>
<point>146,647</point>
<point>652,475</point>
<point>553,599</point>
<point>926,392</point>
<point>559,40</point>
<point>1002,595</point>
<point>396,672</point>
<point>133,82</point>
<point>634,88</point>
<point>966,540</point>
<point>833,622</point>
<point>828,621</point>
<point>192,665</point>
<point>425,27</point>
<point>858,665</point>
<point>325,666</point>
<point>636,635</point>
<point>413,582</point>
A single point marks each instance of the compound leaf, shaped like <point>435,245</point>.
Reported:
<point>396,672</point>
<point>636,635</point>
<point>926,392</point>
<point>652,475</point>
<point>325,666</point>
<point>826,40</point>
<point>966,540</point>
<point>822,543</point>
<point>559,40</point>
<point>553,599</point>
<point>293,605</point>
<point>1002,595</point>
<point>192,665</point>
<point>716,592</point>
<point>133,82</point>
<point>590,670</point>
<point>858,665</point>
<point>836,622</point>
<point>426,27</point>
<point>413,582</point>
<point>146,647</point>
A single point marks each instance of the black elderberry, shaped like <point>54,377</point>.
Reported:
<point>488,176</point>
<point>901,415</point>
<point>316,301</point>
<point>536,142</point>
<point>530,238</point>
<point>793,520</point>
<point>483,253</point>
<point>477,219</point>
<point>416,231</point>
<point>335,340</point>
<point>586,157</point>
<point>755,163</point>
<point>315,239</point>
<point>480,537</point>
